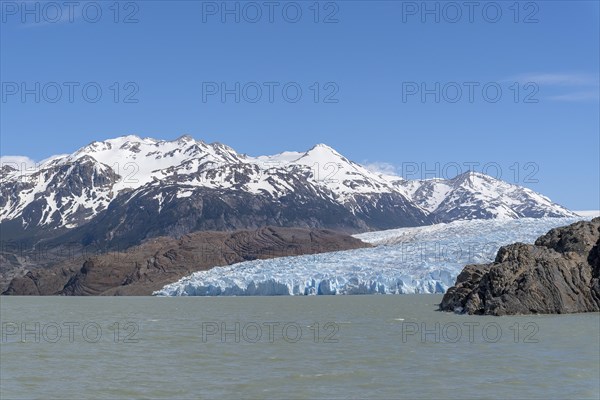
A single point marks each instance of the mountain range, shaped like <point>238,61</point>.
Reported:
<point>128,189</point>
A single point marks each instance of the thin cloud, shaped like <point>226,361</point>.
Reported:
<point>58,14</point>
<point>576,96</point>
<point>379,167</point>
<point>63,20</point>
<point>17,162</point>
<point>558,79</point>
<point>567,87</point>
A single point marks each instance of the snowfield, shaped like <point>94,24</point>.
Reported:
<point>409,260</point>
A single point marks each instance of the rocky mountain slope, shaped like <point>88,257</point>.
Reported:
<point>559,274</point>
<point>148,267</point>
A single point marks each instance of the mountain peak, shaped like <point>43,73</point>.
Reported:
<point>322,146</point>
<point>129,139</point>
<point>472,177</point>
<point>185,138</point>
<point>321,154</point>
<point>324,150</point>
<point>222,150</point>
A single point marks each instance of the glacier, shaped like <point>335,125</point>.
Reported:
<point>424,259</point>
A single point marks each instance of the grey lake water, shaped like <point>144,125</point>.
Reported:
<point>387,346</point>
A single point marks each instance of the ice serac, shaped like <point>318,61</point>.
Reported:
<point>409,260</point>
<point>129,189</point>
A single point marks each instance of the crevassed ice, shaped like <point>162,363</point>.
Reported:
<point>409,260</point>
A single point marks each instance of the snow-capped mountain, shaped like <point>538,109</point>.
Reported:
<point>131,188</point>
<point>474,195</point>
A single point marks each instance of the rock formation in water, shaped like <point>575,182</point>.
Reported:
<point>140,270</point>
<point>560,273</point>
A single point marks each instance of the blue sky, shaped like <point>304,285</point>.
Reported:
<point>362,68</point>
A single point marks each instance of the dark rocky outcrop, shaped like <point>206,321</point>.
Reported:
<point>140,270</point>
<point>560,273</point>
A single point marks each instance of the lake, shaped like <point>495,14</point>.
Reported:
<point>373,346</point>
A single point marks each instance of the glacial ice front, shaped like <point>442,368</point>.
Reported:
<point>409,260</point>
